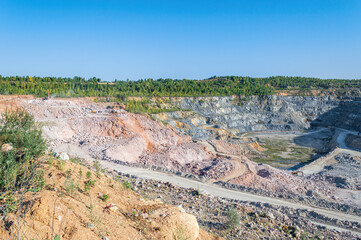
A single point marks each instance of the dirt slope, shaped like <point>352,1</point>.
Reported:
<point>104,131</point>
<point>64,208</point>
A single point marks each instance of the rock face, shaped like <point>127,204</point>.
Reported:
<point>89,130</point>
<point>214,116</point>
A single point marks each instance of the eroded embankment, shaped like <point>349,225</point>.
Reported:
<point>78,203</point>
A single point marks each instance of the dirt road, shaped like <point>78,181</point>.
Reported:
<point>239,167</point>
<point>319,164</point>
<point>226,193</point>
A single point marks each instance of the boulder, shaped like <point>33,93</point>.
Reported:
<point>176,224</point>
<point>64,156</point>
<point>6,147</point>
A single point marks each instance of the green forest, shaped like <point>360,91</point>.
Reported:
<point>214,86</point>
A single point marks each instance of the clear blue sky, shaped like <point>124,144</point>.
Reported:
<point>180,38</point>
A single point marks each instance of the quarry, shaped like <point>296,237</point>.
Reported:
<point>180,120</point>
<point>289,152</point>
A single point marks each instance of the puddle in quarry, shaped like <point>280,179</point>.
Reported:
<point>290,150</point>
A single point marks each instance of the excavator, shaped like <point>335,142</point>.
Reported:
<point>47,97</point>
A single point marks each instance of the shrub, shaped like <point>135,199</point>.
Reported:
<point>181,233</point>
<point>68,173</point>
<point>105,197</point>
<point>80,173</point>
<point>88,175</point>
<point>69,186</point>
<point>18,165</point>
<point>233,219</point>
<point>89,184</point>
<point>60,164</point>
<point>97,168</point>
<point>127,185</point>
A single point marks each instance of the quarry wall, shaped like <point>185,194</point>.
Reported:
<point>219,116</point>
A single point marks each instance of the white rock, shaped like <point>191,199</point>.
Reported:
<point>181,208</point>
<point>7,147</point>
<point>113,208</point>
<point>64,156</point>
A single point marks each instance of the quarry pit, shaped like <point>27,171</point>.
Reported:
<point>280,146</point>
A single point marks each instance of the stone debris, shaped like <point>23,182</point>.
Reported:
<point>64,156</point>
<point>258,220</point>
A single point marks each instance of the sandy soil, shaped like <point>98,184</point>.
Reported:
<point>72,213</point>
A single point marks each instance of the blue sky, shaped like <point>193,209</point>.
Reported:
<point>180,39</point>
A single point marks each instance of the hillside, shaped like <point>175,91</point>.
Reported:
<point>49,197</point>
<point>70,207</point>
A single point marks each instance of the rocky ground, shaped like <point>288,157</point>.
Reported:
<point>334,173</point>
<point>354,141</point>
<point>105,131</point>
<point>257,221</point>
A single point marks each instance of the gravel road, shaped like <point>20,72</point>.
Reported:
<point>226,193</point>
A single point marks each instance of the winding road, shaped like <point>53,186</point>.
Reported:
<point>218,191</point>
<point>239,168</point>
<point>319,164</point>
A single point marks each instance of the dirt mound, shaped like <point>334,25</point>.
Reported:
<point>67,209</point>
<point>100,133</point>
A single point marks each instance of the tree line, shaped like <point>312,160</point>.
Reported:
<point>214,86</point>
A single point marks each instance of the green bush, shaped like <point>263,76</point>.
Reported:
<point>105,197</point>
<point>89,184</point>
<point>233,219</point>
<point>127,185</point>
<point>18,165</point>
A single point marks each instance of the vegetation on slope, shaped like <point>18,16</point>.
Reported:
<point>21,146</point>
<point>42,197</point>
<point>78,203</point>
<point>147,105</point>
<point>215,86</point>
